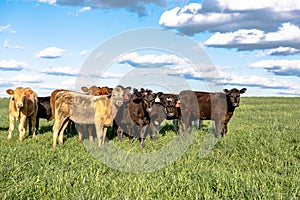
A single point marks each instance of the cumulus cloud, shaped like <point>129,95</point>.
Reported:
<point>138,7</point>
<point>60,71</point>
<point>51,53</point>
<point>146,61</point>
<point>279,67</point>
<point>228,15</point>
<point>250,39</point>
<point>12,65</point>
<point>255,81</point>
<point>280,51</point>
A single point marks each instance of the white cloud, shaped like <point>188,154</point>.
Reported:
<point>279,67</point>
<point>84,52</point>
<point>249,39</point>
<point>60,71</point>
<point>51,52</point>
<point>228,15</point>
<point>4,28</point>
<point>280,51</point>
<point>12,65</point>
<point>26,78</point>
<point>7,46</point>
<point>7,28</point>
<point>48,1</point>
<point>136,60</point>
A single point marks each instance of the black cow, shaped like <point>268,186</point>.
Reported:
<point>140,106</point>
<point>172,105</point>
<point>44,110</point>
<point>218,107</point>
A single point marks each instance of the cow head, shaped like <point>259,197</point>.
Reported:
<point>233,96</point>
<point>169,103</point>
<point>126,92</point>
<point>94,90</point>
<point>117,96</point>
<point>147,97</point>
<point>20,95</point>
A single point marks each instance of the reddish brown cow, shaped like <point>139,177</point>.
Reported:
<point>23,106</point>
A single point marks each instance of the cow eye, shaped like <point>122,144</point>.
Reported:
<point>13,98</point>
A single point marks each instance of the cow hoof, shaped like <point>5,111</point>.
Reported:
<point>153,138</point>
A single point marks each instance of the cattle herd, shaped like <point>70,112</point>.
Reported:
<point>136,114</point>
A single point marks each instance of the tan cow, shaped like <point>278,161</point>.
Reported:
<point>85,109</point>
<point>23,107</point>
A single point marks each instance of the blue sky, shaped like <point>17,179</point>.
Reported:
<point>253,44</point>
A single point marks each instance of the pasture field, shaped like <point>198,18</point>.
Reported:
<point>258,159</point>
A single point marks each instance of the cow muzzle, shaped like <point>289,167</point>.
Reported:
<point>19,104</point>
<point>236,104</point>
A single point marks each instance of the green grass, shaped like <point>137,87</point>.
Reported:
<point>258,159</point>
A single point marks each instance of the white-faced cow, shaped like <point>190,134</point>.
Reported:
<point>85,109</point>
<point>218,107</point>
<point>23,106</point>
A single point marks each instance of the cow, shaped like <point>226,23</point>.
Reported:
<point>44,110</point>
<point>97,91</point>
<point>172,105</point>
<point>23,107</point>
<point>218,107</point>
<point>122,116</point>
<point>157,115</point>
<point>140,107</point>
<point>85,109</point>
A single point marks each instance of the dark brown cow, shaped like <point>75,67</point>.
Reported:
<point>85,109</point>
<point>23,106</point>
<point>218,107</point>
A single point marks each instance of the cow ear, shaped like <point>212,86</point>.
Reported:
<point>10,91</point>
<point>29,91</point>
<point>242,91</point>
<point>84,89</point>
<point>226,91</point>
<point>160,95</point>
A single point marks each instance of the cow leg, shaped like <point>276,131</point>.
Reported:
<point>120,133</point>
<point>224,129</point>
<point>58,127</point>
<point>104,135</point>
<point>30,125</point>
<point>99,131</point>
<point>91,129</point>
<point>11,126</point>
<point>142,134</point>
<point>80,130</point>
<point>154,130</point>
<point>61,133</point>
<point>175,124</point>
<point>22,128</point>
<point>37,123</point>
<point>218,125</point>
<point>33,124</point>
